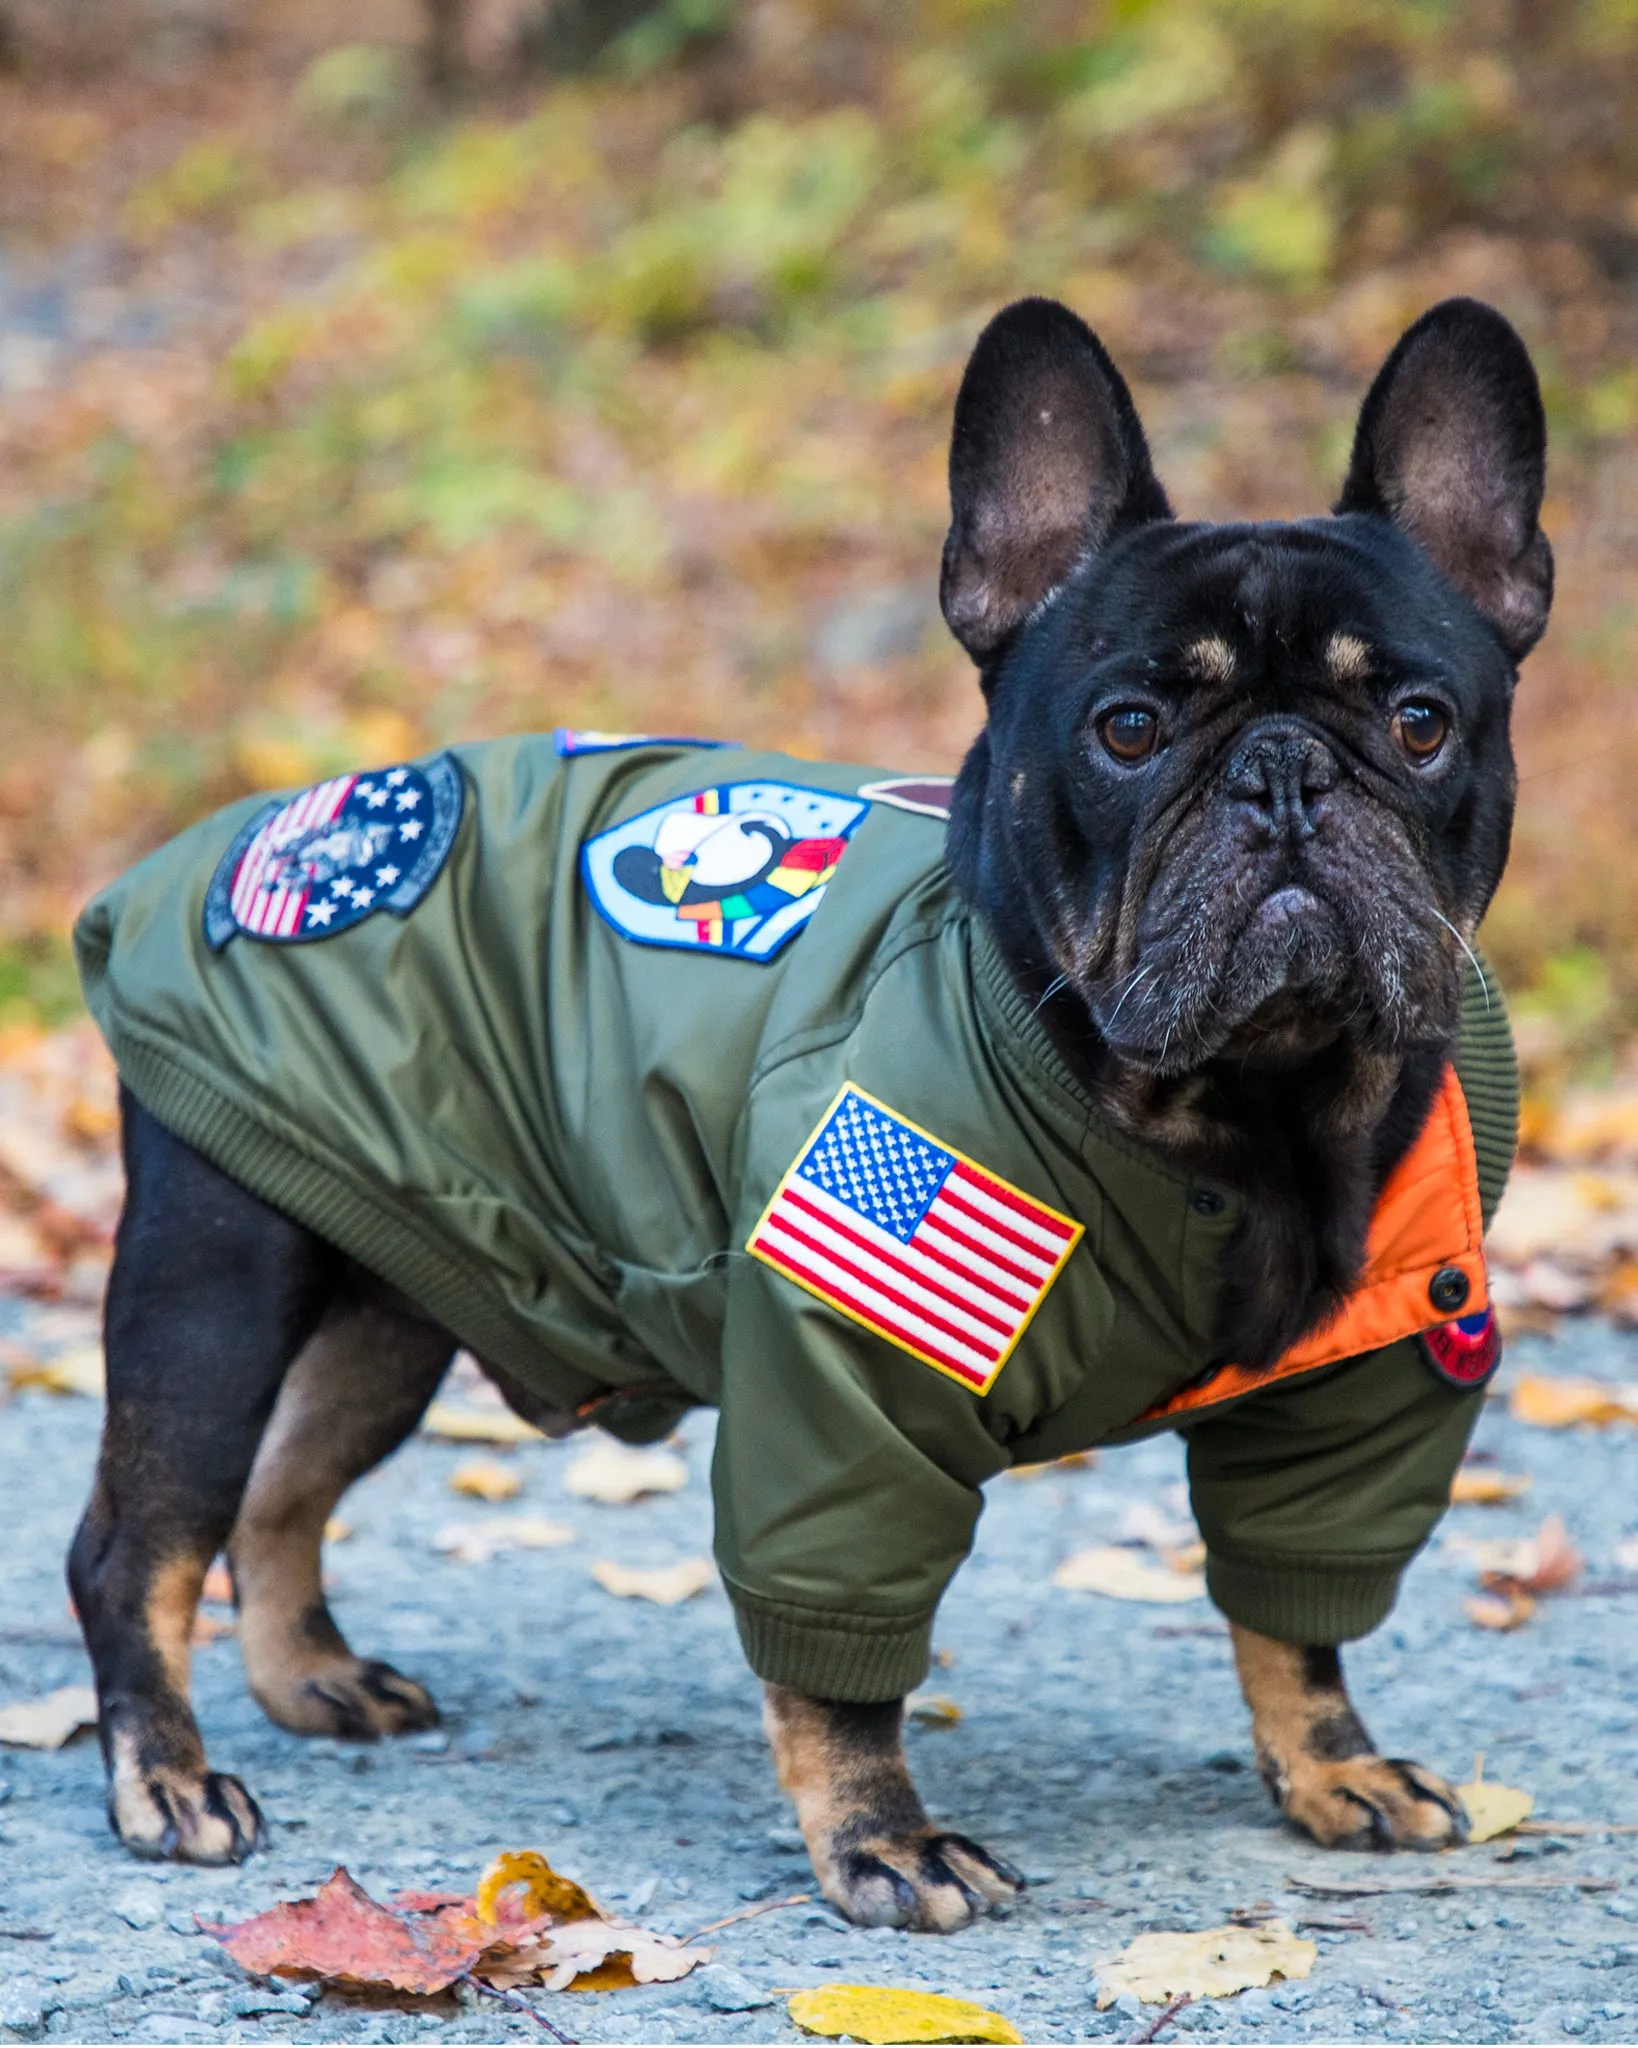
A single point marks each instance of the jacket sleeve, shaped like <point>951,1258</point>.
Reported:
<point>846,1482</point>
<point>1314,1497</point>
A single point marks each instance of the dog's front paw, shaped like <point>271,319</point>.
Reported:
<point>1370,1802</point>
<point>191,1817</point>
<point>932,1882</point>
<point>359,1699</point>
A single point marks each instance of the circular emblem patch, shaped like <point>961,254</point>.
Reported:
<point>312,865</point>
<point>1467,1351</point>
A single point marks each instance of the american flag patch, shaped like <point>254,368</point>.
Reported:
<point>913,1240</point>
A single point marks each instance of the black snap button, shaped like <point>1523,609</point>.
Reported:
<point>1206,1202</point>
<point>1448,1290</point>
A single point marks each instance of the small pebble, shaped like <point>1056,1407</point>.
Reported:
<point>727,1990</point>
<point>138,1905</point>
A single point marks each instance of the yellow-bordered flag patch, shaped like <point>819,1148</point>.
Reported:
<point>913,1240</point>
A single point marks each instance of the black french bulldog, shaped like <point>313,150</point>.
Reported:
<point>1241,799</point>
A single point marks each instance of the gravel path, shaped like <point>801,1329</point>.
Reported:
<point>1103,1747</point>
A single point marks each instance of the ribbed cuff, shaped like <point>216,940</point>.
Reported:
<point>862,1659</point>
<point>1304,1603</point>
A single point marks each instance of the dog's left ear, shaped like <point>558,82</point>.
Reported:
<point>1047,461</point>
<point>1452,447</point>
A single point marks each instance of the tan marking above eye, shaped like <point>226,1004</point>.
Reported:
<point>1210,660</point>
<point>1347,658</point>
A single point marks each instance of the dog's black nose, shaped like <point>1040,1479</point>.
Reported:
<point>1279,773</point>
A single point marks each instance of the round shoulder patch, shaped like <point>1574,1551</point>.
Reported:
<point>736,869</point>
<point>313,865</point>
<point>1467,1351</point>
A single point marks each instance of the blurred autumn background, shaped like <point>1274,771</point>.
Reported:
<point>383,373</point>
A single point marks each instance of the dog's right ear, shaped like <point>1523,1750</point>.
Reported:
<point>1047,462</point>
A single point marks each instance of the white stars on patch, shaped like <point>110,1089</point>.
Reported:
<point>408,799</point>
<point>410,829</point>
<point>385,877</point>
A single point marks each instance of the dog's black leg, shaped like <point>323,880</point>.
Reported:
<point>875,1853</point>
<point>211,1296</point>
<point>1321,1769</point>
<point>358,1388</point>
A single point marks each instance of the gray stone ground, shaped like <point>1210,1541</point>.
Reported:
<point>1103,1747</point>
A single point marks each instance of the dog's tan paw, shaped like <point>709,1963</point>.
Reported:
<point>1371,1802</point>
<point>206,1817</point>
<point>357,1698</point>
<point>929,1881</point>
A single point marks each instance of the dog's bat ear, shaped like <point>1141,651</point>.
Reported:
<point>1452,447</point>
<point>1047,461</point>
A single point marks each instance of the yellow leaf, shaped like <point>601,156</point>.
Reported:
<point>1123,1575</point>
<point>935,1709</point>
<point>1553,1403</point>
<point>484,1479</point>
<point>48,1723</point>
<point>336,1530</point>
<point>876,2012</point>
<point>1473,1486</point>
<point>616,1474</point>
<point>478,1425</point>
<point>1492,1809</point>
<point>666,1585</point>
<point>478,1542</point>
<point>521,1885</point>
<point>1213,1964</point>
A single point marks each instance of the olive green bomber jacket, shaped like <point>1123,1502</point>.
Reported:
<point>549,1064</point>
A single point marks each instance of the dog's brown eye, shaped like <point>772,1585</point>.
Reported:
<point>1131,733</point>
<point>1420,729</point>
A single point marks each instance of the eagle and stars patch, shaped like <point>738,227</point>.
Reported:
<point>312,865</point>
<point>737,869</point>
<point>913,1240</point>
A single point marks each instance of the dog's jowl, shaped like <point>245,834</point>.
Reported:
<point>1157,1087</point>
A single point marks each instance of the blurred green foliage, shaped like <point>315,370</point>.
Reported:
<point>579,402</point>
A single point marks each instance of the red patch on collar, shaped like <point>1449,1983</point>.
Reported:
<point>1467,1351</point>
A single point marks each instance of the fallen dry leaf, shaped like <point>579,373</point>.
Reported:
<point>1476,1486</point>
<point>336,1530</point>
<point>79,1371</point>
<point>1551,1403</point>
<point>48,1723</point>
<point>478,1425</point>
<point>478,1542</point>
<point>1502,1612</point>
<point>666,1585</point>
<point>1123,1575</point>
<point>1492,1810</point>
<point>521,1885</point>
<point>616,1474</point>
<point>345,1937</point>
<point>597,1955</point>
<point>218,1584</point>
<point>585,1949</point>
<point>1546,1562</point>
<point>877,2013</point>
<point>932,1709</point>
<point>485,1479</point>
<point>1213,1964</point>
